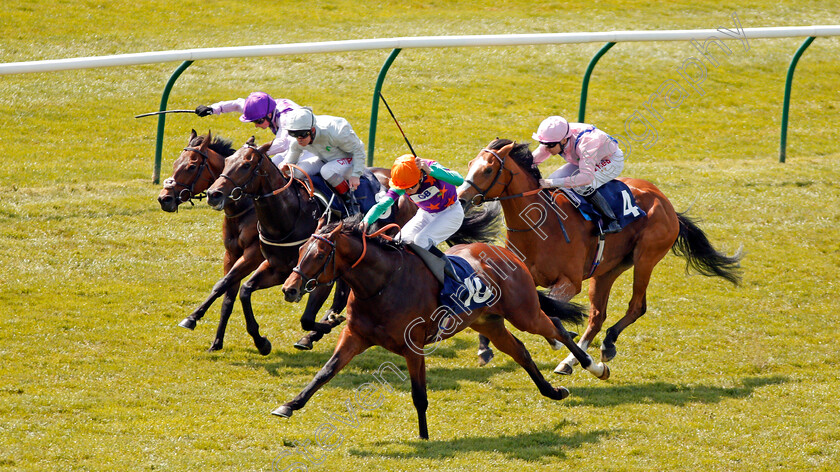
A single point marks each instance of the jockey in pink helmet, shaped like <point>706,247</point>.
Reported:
<point>592,159</point>
<point>262,110</point>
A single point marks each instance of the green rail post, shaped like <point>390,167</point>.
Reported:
<point>786,105</point>
<point>584,88</point>
<point>162,118</point>
<point>374,109</point>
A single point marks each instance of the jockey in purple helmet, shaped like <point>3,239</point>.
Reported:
<point>592,159</point>
<point>265,112</point>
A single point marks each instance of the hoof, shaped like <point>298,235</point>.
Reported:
<point>304,344</point>
<point>265,348</point>
<point>608,353</point>
<point>562,392</point>
<point>606,373</point>
<point>188,323</point>
<point>283,411</point>
<point>563,369</point>
<point>556,345</point>
<point>484,357</point>
<point>215,347</point>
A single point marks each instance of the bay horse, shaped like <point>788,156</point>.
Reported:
<point>560,247</point>
<point>287,212</point>
<point>394,303</point>
<point>196,168</point>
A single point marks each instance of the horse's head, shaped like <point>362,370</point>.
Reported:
<point>316,263</point>
<point>196,168</point>
<point>244,173</point>
<point>497,169</point>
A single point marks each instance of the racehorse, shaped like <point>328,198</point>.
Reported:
<point>287,212</point>
<point>198,166</point>
<point>394,303</point>
<point>560,248</point>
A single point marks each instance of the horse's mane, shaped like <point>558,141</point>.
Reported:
<point>218,144</point>
<point>520,153</point>
<point>353,227</point>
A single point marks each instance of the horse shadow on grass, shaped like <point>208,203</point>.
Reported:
<point>361,368</point>
<point>548,444</point>
<point>666,393</point>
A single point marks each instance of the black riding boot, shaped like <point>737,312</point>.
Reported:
<point>350,203</point>
<point>600,203</point>
<point>448,269</point>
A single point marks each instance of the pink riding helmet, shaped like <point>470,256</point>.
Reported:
<point>553,130</point>
<point>257,105</point>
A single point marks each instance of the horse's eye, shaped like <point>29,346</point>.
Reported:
<point>320,256</point>
<point>488,170</point>
<point>191,167</point>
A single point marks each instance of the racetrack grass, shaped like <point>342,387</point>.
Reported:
<point>95,374</point>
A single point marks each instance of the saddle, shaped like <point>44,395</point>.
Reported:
<point>366,195</point>
<point>617,194</point>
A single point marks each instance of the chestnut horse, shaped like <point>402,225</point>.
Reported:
<point>287,213</point>
<point>394,303</point>
<point>198,166</point>
<point>560,247</point>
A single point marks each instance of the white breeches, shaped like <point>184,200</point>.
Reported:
<point>429,229</point>
<point>334,172</point>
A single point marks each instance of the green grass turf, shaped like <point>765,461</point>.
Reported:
<point>95,374</point>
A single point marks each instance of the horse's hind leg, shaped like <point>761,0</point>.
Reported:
<point>485,354</point>
<point>349,346</point>
<point>494,329</point>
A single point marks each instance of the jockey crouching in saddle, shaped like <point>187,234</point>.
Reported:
<point>593,159</point>
<point>265,112</point>
<point>432,188</point>
<point>338,154</point>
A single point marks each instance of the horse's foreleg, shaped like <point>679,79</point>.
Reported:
<point>417,372</point>
<point>349,346</point>
<point>599,294</point>
<point>485,353</point>
<point>313,304</point>
<point>507,343</point>
<point>264,277</point>
<point>233,275</point>
<point>636,308</point>
<point>331,318</point>
<point>227,308</point>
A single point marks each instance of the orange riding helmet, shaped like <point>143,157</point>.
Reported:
<point>404,172</point>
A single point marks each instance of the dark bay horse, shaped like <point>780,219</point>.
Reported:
<point>287,213</point>
<point>537,222</point>
<point>394,304</point>
<point>199,165</point>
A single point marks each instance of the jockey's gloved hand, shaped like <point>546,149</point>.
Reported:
<point>203,110</point>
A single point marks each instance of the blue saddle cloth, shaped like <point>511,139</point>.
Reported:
<point>365,194</point>
<point>471,295</point>
<point>620,198</point>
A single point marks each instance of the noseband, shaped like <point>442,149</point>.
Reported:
<point>187,195</point>
<point>311,283</point>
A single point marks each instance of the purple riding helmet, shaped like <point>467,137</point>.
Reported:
<point>258,105</point>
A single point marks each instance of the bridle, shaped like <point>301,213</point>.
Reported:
<point>481,196</point>
<point>311,283</point>
<point>186,194</point>
<point>238,190</point>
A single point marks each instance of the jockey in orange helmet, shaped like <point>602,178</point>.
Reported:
<point>432,188</point>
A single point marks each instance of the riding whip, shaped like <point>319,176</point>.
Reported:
<point>163,112</point>
<point>398,124</point>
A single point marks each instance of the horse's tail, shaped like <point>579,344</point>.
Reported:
<point>699,253</point>
<point>566,311</point>
<point>481,225</point>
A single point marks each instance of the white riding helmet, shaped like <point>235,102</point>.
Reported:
<point>553,130</point>
<point>300,119</point>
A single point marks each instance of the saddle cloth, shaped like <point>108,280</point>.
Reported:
<point>618,195</point>
<point>471,295</point>
<point>366,195</point>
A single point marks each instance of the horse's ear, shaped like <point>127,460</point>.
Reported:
<point>193,135</point>
<point>507,149</point>
<point>265,147</point>
<point>337,229</point>
<point>206,141</point>
<point>251,141</point>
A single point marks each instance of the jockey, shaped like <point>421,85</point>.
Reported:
<point>593,159</point>
<point>338,154</point>
<point>262,110</point>
<point>432,188</point>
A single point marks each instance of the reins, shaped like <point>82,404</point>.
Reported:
<point>171,182</point>
<point>373,235</point>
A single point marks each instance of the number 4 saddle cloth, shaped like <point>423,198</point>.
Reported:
<point>618,195</point>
